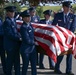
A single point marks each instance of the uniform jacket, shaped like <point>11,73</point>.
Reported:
<point>35,18</point>
<point>27,34</point>
<point>11,35</point>
<point>59,20</point>
<point>1,27</point>
<point>43,21</point>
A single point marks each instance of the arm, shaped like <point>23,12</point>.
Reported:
<point>9,32</point>
<point>1,27</point>
<point>25,36</point>
<point>73,25</point>
<point>55,20</point>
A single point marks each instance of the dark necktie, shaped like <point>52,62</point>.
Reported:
<point>66,19</point>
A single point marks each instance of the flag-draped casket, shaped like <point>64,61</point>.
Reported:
<point>53,40</point>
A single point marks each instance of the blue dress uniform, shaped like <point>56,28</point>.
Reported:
<point>49,22</point>
<point>34,18</point>
<point>27,50</point>
<point>70,23</point>
<point>2,51</point>
<point>11,42</point>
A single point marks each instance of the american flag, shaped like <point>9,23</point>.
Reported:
<point>53,39</point>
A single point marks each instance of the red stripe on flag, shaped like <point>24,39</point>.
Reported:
<point>67,35</point>
<point>57,35</point>
<point>51,39</point>
<point>48,51</point>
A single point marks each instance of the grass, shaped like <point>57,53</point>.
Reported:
<point>54,8</point>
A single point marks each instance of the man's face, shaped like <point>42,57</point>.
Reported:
<point>10,14</point>
<point>32,13</point>
<point>47,17</point>
<point>27,19</point>
<point>66,9</point>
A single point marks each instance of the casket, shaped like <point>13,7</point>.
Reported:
<point>55,40</point>
<point>42,51</point>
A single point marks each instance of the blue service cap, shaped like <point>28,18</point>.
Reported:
<point>67,4</point>
<point>47,12</point>
<point>25,13</point>
<point>32,9</point>
<point>10,8</point>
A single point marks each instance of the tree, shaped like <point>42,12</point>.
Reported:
<point>1,1</point>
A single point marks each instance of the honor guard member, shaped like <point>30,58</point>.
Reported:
<point>46,20</point>
<point>34,17</point>
<point>67,20</point>
<point>11,41</point>
<point>2,51</point>
<point>27,50</point>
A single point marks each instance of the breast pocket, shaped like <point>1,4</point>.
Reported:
<point>30,32</point>
<point>14,29</point>
<point>60,22</point>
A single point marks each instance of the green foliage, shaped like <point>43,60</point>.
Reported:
<point>1,12</point>
<point>40,11</point>
<point>74,7</point>
<point>54,8</point>
<point>24,8</point>
<point>1,1</point>
<point>13,4</point>
<point>2,6</point>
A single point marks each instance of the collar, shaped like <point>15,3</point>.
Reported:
<point>28,24</point>
<point>47,20</point>
<point>66,14</point>
<point>12,19</point>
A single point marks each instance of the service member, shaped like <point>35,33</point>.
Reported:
<point>67,20</point>
<point>27,50</point>
<point>11,41</point>
<point>2,51</point>
<point>47,20</point>
<point>34,17</point>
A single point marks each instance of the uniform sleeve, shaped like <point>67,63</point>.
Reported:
<point>1,27</point>
<point>38,19</point>
<point>9,32</point>
<point>25,36</point>
<point>55,20</point>
<point>73,25</point>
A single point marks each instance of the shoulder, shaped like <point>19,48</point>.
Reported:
<point>42,21</point>
<point>23,26</point>
<point>50,21</point>
<point>7,20</point>
<point>37,16</point>
<point>59,13</point>
<point>72,15</point>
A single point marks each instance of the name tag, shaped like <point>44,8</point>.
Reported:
<point>71,20</point>
<point>13,26</point>
<point>29,30</point>
<point>59,20</point>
